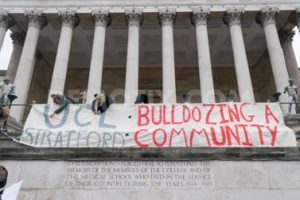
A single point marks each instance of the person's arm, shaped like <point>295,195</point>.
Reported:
<point>64,104</point>
<point>285,89</point>
<point>13,89</point>
<point>1,90</point>
<point>94,109</point>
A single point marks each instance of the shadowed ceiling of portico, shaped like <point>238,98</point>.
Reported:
<point>151,42</point>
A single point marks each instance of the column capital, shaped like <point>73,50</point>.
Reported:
<point>36,18</point>
<point>6,20</point>
<point>286,35</point>
<point>200,16</point>
<point>17,38</point>
<point>68,17</point>
<point>167,16</point>
<point>233,16</point>
<point>101,17</point>
<point>295,17</point>
<point>134,17</point>
<point>267,16</point>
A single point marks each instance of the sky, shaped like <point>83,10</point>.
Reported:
<point>8,46</point>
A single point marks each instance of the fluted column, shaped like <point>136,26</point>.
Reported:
<point>18,41</point>
<point>233,19</point>
<point>101,19</point>
<point>69,20</point>
<point>267,18</point>
<point>286,37</point>
<point>199,19</point>
<point>167,19</point>
<point>26,64</point>
<point>295,19</point>
<point>134,19</point>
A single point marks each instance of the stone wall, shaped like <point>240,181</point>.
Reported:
<point>184,180</point>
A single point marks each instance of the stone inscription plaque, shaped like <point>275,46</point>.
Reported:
<point>138,175</point>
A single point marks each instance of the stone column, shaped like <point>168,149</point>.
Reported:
<point>69,21</point>
<point>26,64</point>
<point>6,21</point>
<point>295,19</point>
<point>289,54</point>
<point>134,20</point>
<point>102,19</point>
<point>18,41</point>
<point>167,19</point>
<point>267,18</point>
<point>199,19</point>
<point>233,20</point>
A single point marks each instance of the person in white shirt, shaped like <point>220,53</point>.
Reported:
<point>6,89</point>
<point>292,92</point>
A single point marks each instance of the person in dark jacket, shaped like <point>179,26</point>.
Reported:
<point>60,100</point>
<point>101,103</point>
<point>142,98</point>
<point>3,179</point>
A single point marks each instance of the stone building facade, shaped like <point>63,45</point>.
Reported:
<point>165,49</point>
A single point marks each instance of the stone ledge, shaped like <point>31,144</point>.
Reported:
<point>166,154</point>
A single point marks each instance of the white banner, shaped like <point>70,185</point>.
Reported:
<point>159,126</point>
<point>11,193</point>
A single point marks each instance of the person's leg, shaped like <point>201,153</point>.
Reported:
<point>290,107</point>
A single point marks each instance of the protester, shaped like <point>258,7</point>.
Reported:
<point>3,179</point>
<point>83,97</point>
<point>60,100</point>
<point>7,96</point>
<point>101,103</point>
<point>292,91</point>
<point>6,90</point>
<point>141,98</point>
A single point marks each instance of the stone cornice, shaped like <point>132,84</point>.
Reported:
<point>134,17</point>
<point>68,17</point>
<point>117,6</point>
<point>233,16</point>
<point>165,154</point>
<point>200,16</point>
<point>36,18</point>
<point>167,16</point>
<point>267,16</point>
<point>101,17</point>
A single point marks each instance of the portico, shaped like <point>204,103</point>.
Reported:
<point>158,52</point>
